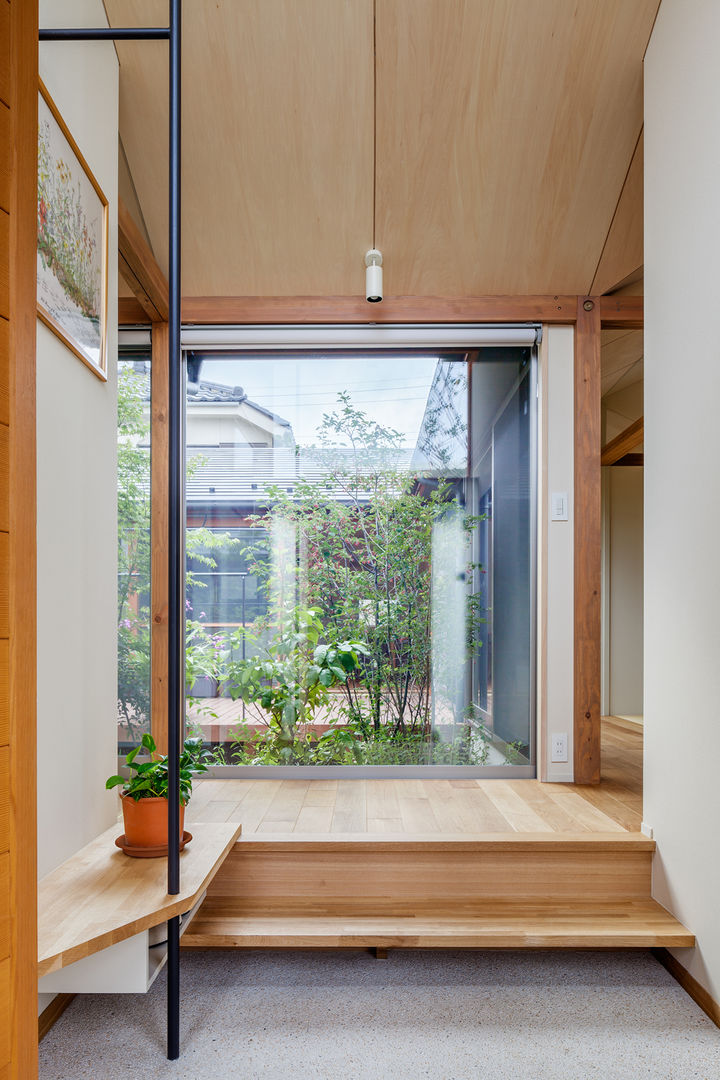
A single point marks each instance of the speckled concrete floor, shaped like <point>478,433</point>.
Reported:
<point>443,1015</point>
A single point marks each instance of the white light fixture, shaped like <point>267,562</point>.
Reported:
<point>373,276</point>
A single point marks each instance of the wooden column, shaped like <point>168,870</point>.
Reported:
<point>159,534</point>
<point>587,518</point>
<point>18,585</point>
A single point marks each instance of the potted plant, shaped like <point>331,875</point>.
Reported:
<point>145,793</point>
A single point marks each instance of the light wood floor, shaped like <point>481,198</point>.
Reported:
<point>427,807</point>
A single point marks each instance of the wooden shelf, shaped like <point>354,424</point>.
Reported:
<point>506,925</point>
<point>100,896</point>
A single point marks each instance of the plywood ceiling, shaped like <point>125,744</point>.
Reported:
<point>505,132</point>
<point>621,358</point>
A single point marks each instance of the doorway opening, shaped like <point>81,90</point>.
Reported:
<point>622,560</point>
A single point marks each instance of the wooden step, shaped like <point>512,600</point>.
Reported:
<point>507,925</point>
<point>382,875</point>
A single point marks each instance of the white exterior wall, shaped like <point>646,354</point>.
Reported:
<point>682,489</point>
<point>77,516</point>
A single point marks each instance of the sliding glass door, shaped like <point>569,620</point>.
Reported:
<point>360,553</point>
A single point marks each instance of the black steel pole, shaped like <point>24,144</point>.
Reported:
<point>107,33</point>
<point>176,495</point>
<point>176,544</point>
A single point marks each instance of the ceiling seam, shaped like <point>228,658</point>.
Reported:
<point>615,212</point>
<point>647,43</point>
<point>627,371</point>
<point>110,24</point>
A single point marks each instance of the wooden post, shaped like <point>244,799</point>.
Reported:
<point>159,534</point>
<point>587,517</point>
<point>18,548</point>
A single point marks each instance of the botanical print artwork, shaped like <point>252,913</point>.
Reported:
<point>70,242</point>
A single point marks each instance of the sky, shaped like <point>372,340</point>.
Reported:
<point>392,390</point>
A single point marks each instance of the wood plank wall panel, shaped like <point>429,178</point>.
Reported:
<point>4,697</point>
<point>587,519</point>
<point>4,585</point>
<point>505,129</point>
<point>4,479</point>
<point>5,203</point>
<point>4,263</point>
<point>5,1017</point>
<point>5,52</point>
<point>5,158</point>
<point>18,598</point>
<point>4,371</point>
<point>4,801</point>
<point>4,905</point>
<point>278,188</point>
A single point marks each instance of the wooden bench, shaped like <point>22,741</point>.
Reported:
<point>97,911</point>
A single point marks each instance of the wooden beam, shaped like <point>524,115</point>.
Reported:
<point>587,542</point>
<point>131,312</point>
<point>622,312</point>
<point>272,310</point>
<point>623,443</point>
<point>139,268</point>
<point>159,532</point>
<point>238,310</point>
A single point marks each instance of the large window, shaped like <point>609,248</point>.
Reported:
<point>133,603</point>
<point>360,551</point>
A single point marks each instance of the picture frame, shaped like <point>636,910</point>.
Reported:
<point>72,239</point>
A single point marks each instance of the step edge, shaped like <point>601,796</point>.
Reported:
<point>589,842</point>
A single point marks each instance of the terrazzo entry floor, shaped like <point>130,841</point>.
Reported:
<point>425,1014</point>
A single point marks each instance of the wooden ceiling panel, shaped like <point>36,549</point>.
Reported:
<point>623,251</point>
<point>505,131</point>
<point>277,141</point>
<point>620,350</point>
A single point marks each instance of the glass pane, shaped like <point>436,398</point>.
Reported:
<point>133,548</point>
<point>360,552</point>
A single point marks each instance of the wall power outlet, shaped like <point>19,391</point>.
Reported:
<point>559,747</point>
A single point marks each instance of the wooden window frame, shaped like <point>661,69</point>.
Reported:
<point>589,315</point>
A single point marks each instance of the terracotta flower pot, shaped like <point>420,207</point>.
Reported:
<point>146,822</point>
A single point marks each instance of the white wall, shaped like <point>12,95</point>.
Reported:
<point>623,608</point>
<point>77,533</point>
<point>556,571</point>
<point>682,490</point>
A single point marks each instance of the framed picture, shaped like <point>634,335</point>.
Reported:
<point>72,242</point>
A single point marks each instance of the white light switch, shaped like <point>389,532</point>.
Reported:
<point>559,506</point>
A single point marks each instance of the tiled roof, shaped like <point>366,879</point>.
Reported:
<point>215,392</point>
<point>212,393</point>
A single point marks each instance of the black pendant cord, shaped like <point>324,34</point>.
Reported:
<point>176,540</point>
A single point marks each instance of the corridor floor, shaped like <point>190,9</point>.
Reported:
<point>436,1015</point>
